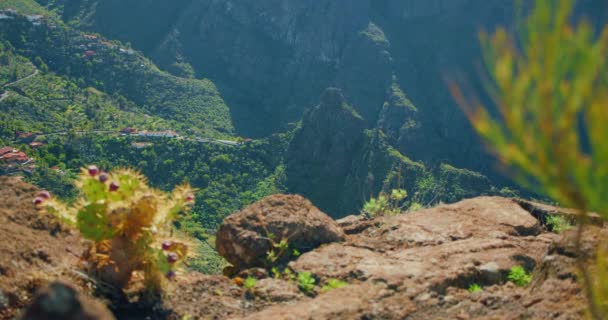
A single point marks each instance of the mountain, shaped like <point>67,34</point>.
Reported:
<point>222,69</point>
<point>271,60</point>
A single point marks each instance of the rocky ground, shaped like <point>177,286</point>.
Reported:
<point>411,266</point>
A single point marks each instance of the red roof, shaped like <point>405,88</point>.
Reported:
<point>90,53</point>
<point>6,150</point>
<point>128,130</point>
<point>36,144</point>
<point>26,134</point>
<point>14,157</point>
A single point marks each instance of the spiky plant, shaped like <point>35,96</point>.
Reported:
<point>130,225</point>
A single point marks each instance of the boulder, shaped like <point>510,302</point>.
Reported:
<point>245,237</point>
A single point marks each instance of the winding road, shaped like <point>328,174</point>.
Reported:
<point>6,94</point>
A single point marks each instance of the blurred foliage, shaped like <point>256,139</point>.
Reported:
<point>550,87</point>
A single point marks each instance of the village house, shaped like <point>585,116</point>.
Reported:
<point>128,130</point>
<point>159,134</point>
<point>90,53</point>
<point>36,144</point>
<point>9,155</point>
<point>35,19</point>
<point>107,44</point>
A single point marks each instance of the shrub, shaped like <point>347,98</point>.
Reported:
<point>558,224</point>
<point>385,204</point>
<point>519,276</point>
<point>474,288</point>
<point>129,224</point>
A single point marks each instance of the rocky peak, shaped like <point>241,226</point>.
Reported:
<point>320,155</point>
<point>332,98</point>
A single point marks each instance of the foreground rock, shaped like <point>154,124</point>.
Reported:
<point>34,248</point>
<point>62,301</point>
<point>410,266</point>
<point>420,265</point>
<point>244,238</point>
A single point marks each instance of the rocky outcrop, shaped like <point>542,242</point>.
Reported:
<point>34,247</point>
<point>246,237</point>
<point>419,266</point>
<point>338,164</point>
<point>415,265</point>
<point>322,152</point>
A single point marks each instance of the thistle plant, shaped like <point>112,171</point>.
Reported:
<point>129,223</point>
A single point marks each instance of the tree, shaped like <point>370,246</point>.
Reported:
<point>550,87</point>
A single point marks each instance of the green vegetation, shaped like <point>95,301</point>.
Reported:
<point>129,223</point>
<point>550,84</point>
<point>519,276</point>
<point>385,204</point>
<point>22,6</point>
<point>306,282</point>
<point>333,284</point>
<point>250,283</point>
<point>558,224</point>
<point>190,105</point>
<point>475,288</point>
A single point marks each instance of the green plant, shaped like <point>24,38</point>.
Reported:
<point>415,206</point>
<point>474,288</point>
<point>333,284</point>
<point>385,204</point>
<point>129,224</point>
<point>277,249</point>
<point>306,282</point>
<point>250,283</point>
<point>550,87</point>
<point>558,224</point>
<point>519,276</point>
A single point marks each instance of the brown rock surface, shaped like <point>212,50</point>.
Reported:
<point>419,266</point>
<point>34,248</point>
<point>410,266</point>
<point>243,238</point>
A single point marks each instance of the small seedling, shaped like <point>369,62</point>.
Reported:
<point>474,288</point>
<point>333,284</point>
<point>558,224</point>
<point>306,282</point>
<point>250,283</point>
<point>519,276</point>
<point>295,252</point>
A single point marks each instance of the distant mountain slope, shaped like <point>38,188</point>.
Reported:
<point>112,67</point>
<point>272,59</point>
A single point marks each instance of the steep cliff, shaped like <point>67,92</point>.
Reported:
<point>339,164</point>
